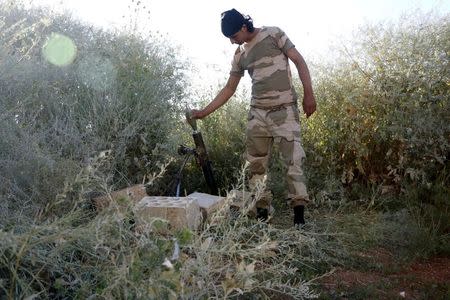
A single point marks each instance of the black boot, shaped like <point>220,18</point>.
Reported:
<point>299,215</point>
<point>262,214</point>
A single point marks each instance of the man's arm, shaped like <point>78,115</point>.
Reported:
<point>221,98</point>
<point>309,102</point>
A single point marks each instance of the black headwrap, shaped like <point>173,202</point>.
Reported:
<point>232,22</point>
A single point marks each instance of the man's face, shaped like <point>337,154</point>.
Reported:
<point>238,37</point>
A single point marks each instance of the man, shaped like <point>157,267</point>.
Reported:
<point>273,117</point>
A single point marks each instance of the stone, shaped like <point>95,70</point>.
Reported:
<point>133,193</point>
<point>208,203</point>
<point>180,212</point>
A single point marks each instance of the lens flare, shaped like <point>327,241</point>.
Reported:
<point>59,50</point>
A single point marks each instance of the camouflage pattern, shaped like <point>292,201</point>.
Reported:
<point>265,59</point>
<point>281,127</point>
<point>273,117</point>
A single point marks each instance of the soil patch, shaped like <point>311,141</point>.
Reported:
<point>422,279</point>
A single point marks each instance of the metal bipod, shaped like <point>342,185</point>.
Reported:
<point>187,152</point>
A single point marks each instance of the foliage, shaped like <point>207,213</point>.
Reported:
<point>383,124</point>
<point>383,107</point>
<point>120,94</point>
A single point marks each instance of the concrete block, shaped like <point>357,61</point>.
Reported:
<point>180,212</point>
<point>133,193</point>
<point>208,203</point>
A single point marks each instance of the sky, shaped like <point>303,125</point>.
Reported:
<point>194,25</point>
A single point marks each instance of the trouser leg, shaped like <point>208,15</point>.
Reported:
<point>293,157</point>
<point>258,155</point>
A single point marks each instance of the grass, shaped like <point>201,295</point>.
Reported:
<point>105,256</point>
<point>83,254</point>
<point>382,255</point>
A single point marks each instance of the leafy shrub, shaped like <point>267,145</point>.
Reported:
<point>383,106</point>
<point>119,94</point>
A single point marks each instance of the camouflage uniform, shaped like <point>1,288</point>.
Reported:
<point>273,116</point>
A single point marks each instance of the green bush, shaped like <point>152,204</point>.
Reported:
<point>382,125</point>
<point>120,93</point>
<point>384,105</point>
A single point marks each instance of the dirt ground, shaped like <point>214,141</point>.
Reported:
<point>379,273</point>
<point>421,279</point>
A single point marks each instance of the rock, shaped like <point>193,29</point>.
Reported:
<point>208,203</point>
<point>180,212</point>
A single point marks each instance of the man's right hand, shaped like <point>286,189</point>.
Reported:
<point>197,114</point>
<point>221,98</point>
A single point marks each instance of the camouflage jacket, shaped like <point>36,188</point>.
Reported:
<point>265,59</point>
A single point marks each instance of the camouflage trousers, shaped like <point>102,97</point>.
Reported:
<point>276,127</point>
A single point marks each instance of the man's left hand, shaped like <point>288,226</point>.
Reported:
<point>309,105</point>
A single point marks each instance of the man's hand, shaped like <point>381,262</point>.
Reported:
<point>197,114</point>
<point>309,105</point>
<point>225,93</point>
